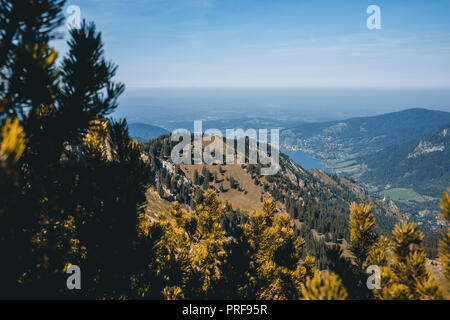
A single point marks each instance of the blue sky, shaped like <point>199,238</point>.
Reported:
<point>282,43</point>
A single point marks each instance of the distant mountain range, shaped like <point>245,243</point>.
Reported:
<point>403,156</point>
<point>347,139</point>
<point>144,132</point>
<point>422,164</point>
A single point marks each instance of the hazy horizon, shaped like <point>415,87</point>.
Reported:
<point>157,105</point>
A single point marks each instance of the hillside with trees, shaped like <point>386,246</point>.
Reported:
<point>346,139</point>
<point>143,132</point>
<point>77,190</point>
<point>421,164</point>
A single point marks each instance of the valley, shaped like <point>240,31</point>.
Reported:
<point>400,159</point>
<point>402,156</point>
<point>318,202</point>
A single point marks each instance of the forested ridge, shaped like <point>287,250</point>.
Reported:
<point>421,164</point>
<point>355,137</point>
<point>74,187</point>
<point>316,201</point>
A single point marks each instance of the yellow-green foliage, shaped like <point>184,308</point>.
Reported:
<point>310,265</point>
<point>207,251</point>
<point>276,260</point>
<point>96,139</point>
<point>402,260</point>
<point>12,145</point>
<point>42,54</point>
<point>444,244</point>
<point>407,276</point>
<point>323,287</point>
<point>189,245</point>
<point>190,252</point>
<point>12,142</point>
<point>378,253</point>
<point>362,235</point>
<point>171,250</point>
<point>173,293</point>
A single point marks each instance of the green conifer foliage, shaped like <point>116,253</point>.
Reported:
<point>444,244</point>
<point>362,234</point>
<point>323,287</point>
<point>188,250</point>
<point>77,178</point>
<point>378,254</point>
<point>407,276</point>
<point>276,271</point>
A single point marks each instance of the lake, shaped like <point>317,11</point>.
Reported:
<point>305,160</point>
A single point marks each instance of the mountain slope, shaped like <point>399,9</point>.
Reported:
<point>422,164</point>
<point>343,140</point>
<point>318,202</point>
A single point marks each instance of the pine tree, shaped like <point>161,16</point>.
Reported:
<point>208,250</point>
<point>167,243</point>
<point>364,251</point>
<point>444,244</point>
<point>378,254</point>
<point>323,287</point>
<point>11,148</point>
<point>73,177</point>
<point>196,178</point>
<point>205,184</point>
<point>407,276</point>
<point>187,250</point>
<point>277,271</point>
<point>28,88</point>
<point>362,234</point>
